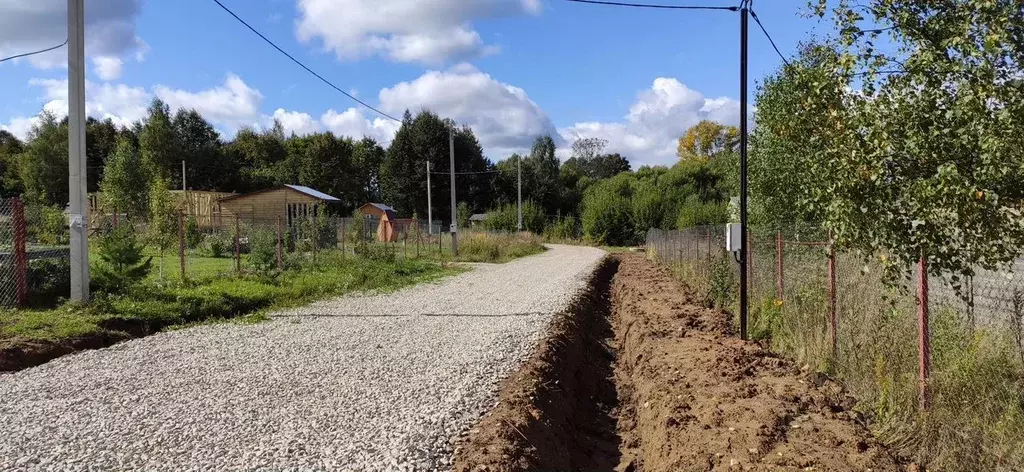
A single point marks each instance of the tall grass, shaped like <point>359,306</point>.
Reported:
<point>976,417</point>
<point>493,247</point>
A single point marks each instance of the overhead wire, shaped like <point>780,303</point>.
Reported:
<point>304,66</point>
<point>770,40</point>
<point>35,52</point>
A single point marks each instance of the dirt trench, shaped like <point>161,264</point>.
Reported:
<point>638,377</point>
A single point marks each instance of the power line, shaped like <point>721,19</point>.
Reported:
<point>289,56</point>
<point>35,52</point>
<point>652,5</point>
<point>770,40</point>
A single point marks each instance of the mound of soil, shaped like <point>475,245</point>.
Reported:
<point>688,394</point>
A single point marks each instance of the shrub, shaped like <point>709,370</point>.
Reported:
<point>262,257</point>
<point>607,218</point>
<point>697,213</point>
<point>563,229</point>
<point>217,244</point>
<point>193,237</point>
<point>121,263</point>
<point>506,218</point>
<point>47,224</point>
<point>49,280</point>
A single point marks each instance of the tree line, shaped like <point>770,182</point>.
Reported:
<point>592,194</point>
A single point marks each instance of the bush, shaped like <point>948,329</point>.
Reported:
<point>506,218</point>
<point>262,257</point>
<point>193,237</point>
<point>698,213</point>
<point>121,263</point>
<point>217,244</point>
<point>49,281</point>
<point>607,214</point>
<point>563,229</point>
<point>482,247</point>
<point>47,224</point>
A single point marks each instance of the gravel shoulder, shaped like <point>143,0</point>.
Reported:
<point>373,382</point>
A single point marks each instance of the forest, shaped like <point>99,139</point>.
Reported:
<point>592,195</point>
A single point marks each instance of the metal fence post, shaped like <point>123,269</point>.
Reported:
<point>181,242</point>
<point>779,248</point>
<point>280,244</point>
<point>238,247</point>
<point>20,253</point>
<point>923,341</point>
<point>344,236</point>
<point>832,324</point>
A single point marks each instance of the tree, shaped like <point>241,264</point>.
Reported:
<point>100,139</point>
<point>125,185</point>
<point>10,180</point>
<point>199,146</point>
<point>43,164</point>
<point>544,167</point>
<point>367,159</point>
<point>707,139</point>
<point>121,263</point>
<point>606,211</point>
<point>158,142</point>
<point>163,218</point>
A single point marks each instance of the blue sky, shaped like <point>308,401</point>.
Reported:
<point>511,69</point>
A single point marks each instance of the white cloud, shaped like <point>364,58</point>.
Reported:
<point>20,126</point>
<point>296,122</point>
<point>107,67</point>
<point>352,122</point>
<point>39,24</point>
<point>231,105</point>
<point>404,30</point>
<point>656,120</point>
<point>502,116</point>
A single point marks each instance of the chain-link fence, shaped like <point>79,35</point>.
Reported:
<point>34,254</point>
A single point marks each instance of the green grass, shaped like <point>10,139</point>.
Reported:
<point>157,304</point>
<point>473,247</point>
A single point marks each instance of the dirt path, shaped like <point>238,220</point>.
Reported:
<point>664,386</point>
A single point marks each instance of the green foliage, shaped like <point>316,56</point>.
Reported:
<point>193,237</point>
<point>697,213</point>
<point>121,263</point>
<point>47,224</point>
<point>481,247</point>
<point>125,185</point>
<point>217,244</point>
<point>607,212</point>
<point>721,284</point>
<point>506,218</point>
<point>158,142</point>
<point>563,229</point>
<point>49,281</point>
<point>462,214</point>
<point>43,165</point>
<point>262,257</point>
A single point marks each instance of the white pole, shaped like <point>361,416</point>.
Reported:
<point>183,187</point>
<point>77,220</point>
<point>430,206</point>
<point>519,185</point>
<point>451,160</point>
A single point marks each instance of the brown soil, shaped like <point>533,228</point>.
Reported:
<point>17,354</point>
<point>688,395</point>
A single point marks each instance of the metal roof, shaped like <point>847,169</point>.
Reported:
<point>478,217</point>
<point>382,207</point>
<point>312,193</point>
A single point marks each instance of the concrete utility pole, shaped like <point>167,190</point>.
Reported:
<point>183,187</point>
<point>519,189</point>
<point>451,160</point>
<point>77,219</point>
<point>430,211</point>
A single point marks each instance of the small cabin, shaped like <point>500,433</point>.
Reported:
<point>386,217</point>
<point>290,203</point>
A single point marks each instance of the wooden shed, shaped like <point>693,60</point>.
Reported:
<point>386,215</point>
<point>292,203</point>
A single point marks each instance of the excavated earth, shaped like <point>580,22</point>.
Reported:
<point>637,376</point>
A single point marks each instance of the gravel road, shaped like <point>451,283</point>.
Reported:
<point>383,382</point>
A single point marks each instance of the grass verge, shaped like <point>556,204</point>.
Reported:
<point>152,306</point>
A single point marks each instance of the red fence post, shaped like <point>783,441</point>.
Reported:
<point>20,253</point>
<point>280,245</point>
<point>924,341</point>
<point>181,242</point>
<point>238,247</point>
<point>778,265</point>
<point>832,328</point>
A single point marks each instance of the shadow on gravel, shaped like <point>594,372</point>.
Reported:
<point>558,412</point>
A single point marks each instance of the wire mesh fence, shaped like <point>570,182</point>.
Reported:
<point>34,254</point>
